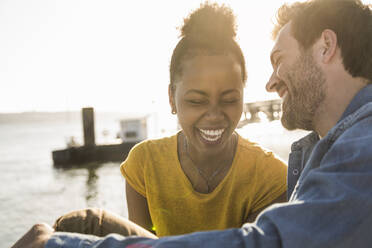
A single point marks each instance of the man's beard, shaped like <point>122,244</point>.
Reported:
<point>306,92</point>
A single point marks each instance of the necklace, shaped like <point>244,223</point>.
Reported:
<point>201,172</point>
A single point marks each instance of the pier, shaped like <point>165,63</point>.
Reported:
<point>271,108</point>
<point>90,151</point>
<point>74,156</point>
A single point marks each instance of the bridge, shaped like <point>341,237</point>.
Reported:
<point>271,108</point>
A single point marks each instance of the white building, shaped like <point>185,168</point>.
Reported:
<point>133,129</point>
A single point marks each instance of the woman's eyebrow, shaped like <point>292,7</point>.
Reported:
<point>200,92</point>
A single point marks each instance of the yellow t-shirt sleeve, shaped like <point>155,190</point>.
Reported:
<point>133,168</point>
<point>271,181</point>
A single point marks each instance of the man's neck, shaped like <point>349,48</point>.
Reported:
<point>341,89</point>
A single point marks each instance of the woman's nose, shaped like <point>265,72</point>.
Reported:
<point>215,112</point>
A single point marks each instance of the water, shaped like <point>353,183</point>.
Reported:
<point>32,190</point>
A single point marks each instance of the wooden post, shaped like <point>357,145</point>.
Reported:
<point>88,127</point>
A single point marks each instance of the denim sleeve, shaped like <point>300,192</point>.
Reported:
<point>228,238</point>
<point>231,238</point>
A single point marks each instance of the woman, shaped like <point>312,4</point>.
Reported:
<point>206,176</point>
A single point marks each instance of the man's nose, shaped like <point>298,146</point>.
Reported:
<point>271,84</point>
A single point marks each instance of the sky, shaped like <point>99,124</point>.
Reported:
<point>113,55</point>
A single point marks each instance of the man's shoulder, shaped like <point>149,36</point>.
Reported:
<point>358,128</point>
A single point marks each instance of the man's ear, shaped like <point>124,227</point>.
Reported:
<point>329,45</point>
<point>171,99</point>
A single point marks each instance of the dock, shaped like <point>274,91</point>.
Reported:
<point>82,155</point>
<point>90,151</point>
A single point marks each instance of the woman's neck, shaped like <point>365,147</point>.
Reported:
<point>211,161</point>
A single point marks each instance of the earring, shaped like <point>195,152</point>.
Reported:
<point>174,112</point>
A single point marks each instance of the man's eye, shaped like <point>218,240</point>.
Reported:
<point>277,61</point>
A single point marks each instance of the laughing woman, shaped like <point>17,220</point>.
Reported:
<point>205,177</point>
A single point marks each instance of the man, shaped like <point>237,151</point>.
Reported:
<point>322,62</point>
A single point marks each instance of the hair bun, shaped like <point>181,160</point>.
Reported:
<point>210,21</point>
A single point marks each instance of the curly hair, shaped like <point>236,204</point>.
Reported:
<point>351,20</point>
<point>211,30</point>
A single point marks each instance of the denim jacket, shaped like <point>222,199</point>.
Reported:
<point>330,181</point>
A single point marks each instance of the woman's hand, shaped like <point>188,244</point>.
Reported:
<point>36,237</point>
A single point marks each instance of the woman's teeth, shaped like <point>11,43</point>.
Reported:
<point>211,135</point>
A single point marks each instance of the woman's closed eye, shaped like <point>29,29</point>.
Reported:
<point>196,101</point>
<point>230,100</point>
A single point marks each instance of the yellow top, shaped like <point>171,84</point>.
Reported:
<point>254,180</point>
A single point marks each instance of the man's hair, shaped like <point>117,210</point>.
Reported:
<point>351,20</point>
<point>209,30</point>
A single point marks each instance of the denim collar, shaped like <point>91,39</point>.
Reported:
<point>361,98</point>
<point>306,141</point>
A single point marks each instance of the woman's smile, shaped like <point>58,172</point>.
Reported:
<point>211,136</point>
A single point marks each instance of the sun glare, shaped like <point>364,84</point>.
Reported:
<point>112,55</point>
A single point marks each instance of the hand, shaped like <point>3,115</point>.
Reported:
<point>36,237</point>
